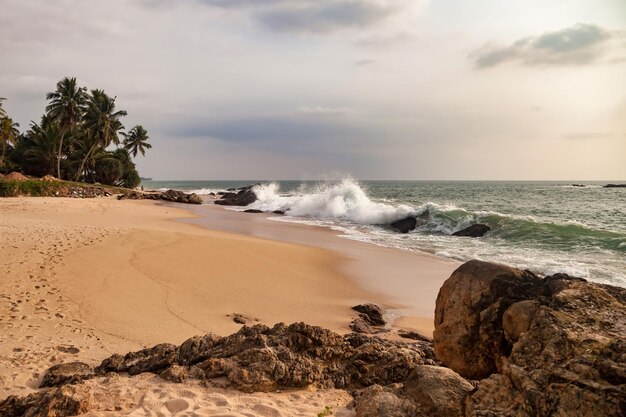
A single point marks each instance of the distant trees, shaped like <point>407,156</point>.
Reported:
<point>73,137</point>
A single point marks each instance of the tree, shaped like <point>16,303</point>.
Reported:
<point>137,141</point>
<point>66,107</point>
<point>8,135</point>
<point>3,114</point>
<point>101,124</point>
<point>37,151</point>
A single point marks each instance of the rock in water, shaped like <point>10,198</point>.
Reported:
<point>475,230</point>
<point>253,211</point>
<point>243,197</point>
<point>545,347</point>
<point>615,186</point>
<point>405,225</point>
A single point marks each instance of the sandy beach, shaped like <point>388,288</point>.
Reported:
<point>85,278</point>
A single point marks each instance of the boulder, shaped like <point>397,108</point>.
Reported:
<point>615,186</point>
<point>377,401</point>
<point>153,359</point>
<point>358,325</point>
<point>279,212</point>
<point>169,195</point>
<point>253,211</point>
<point>475,230</point>
<point>243,197</point>
<point>371,313</point>
<point>405,225</point>
<point>67,373</point>
<point>438,391</point>
<point>69,400</point>
<point>541,347</point>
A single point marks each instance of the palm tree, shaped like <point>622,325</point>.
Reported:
<point>8,134</point>
<point>66,108</point>
<point>3,114</point>
<point>137,141</point>
<point>39,147</point>
<point>101,124</point>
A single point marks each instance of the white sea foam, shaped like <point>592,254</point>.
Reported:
<point>344,201</point>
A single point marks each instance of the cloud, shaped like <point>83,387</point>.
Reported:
<point>580,44</point>
<point>323,111</point>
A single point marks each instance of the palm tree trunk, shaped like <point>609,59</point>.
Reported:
<point>4,149</point>
<point>82,164</point>
<point>59,154</point>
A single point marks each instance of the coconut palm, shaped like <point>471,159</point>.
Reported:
<point>8,134</point>
<point>3,114</point>
<point>137,141</point>
<point>38,148</point>
<point>101,124</point>
<point>66,108</point>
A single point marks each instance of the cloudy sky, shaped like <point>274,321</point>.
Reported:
<point>378,89</point>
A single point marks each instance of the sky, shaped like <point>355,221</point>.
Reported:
<point>309,89</point>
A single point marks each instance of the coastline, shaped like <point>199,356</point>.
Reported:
<point>90,277</point>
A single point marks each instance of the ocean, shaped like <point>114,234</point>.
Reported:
<point>547,227</point>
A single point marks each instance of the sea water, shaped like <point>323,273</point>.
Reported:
<point>547,227</point>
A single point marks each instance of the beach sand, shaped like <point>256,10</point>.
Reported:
<point>83,279</point>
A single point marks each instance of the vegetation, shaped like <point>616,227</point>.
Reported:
<point>77,138</point>
<point>326,412</point>
<point>37,188</point>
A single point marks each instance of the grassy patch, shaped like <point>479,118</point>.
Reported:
<point>38,188</point>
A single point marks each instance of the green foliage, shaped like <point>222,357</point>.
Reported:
<point>74,138</point>
<point>326,412</point>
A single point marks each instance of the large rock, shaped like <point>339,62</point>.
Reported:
<point>371,313</point>
<point>169,195</point>
<point>468,333</point>
<point>475,230</point>
<point>615,186</point>
<point>405,225</point>
<point>377,401</point>
<point>243,197</point>
<point>544,347</point>
<point>69,400</point>
<point>152,359</point>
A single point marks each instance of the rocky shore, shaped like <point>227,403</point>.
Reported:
<point>506,343</point>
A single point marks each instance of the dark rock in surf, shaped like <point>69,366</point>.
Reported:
<point>615,186</point>
<point>253,211</point>
<point>475,230</point>
<point>243,197</point>
<point>371,313</point>
<point>405,225</point>
<point>281,212</point>
<point>169,195</point>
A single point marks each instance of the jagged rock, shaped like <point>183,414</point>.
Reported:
<point>408,334</point>
<point>239,319</point>
<point>152,359</point>
<point>67,373</point>
<point>555,346</point>
<point>405,225</point>
<point>468,333</point>
<point>377,401</point>
<point>175,373</point>
<point>260,358</point>
<point>279,212</point>
<point>475,230</point>
<point>359,325</point>
<point>438,391</point>
<point>69,400</point>
<point>243,197</point>
<point>371,313</point>
<point>253,211</point>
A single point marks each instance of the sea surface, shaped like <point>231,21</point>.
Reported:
<point>547,227</point>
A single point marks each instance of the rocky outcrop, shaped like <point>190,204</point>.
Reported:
<point>260,358</point>
<point>69,400</point>
<point>543,347</point>
<point>67,373</point>
<point>243,197</point>
<point>169,195</point>
<point>475,230</point>
<point>615,186</point>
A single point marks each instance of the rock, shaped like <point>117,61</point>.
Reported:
<point>438,391</point>
<point>253,211</point>
<point>175,373</point>
<point>49,178</point>
<point>554,346</point>
<point>169,195</point>
<point>67,373</point>
<point>243,197</point>
<point>152,359</point>
<point>359,325</point>
<point>279,212</point>
<point>475,230</point>
<point>408,334</point>
<point>608,185</point>
<point>15,176</point>
<point>260,358</point>
<point>69,400</point>
<point>468,334</point>
<point>371,313</point>
<point>377,401</point>
<point>405,225</point>
<point>239,319</point>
